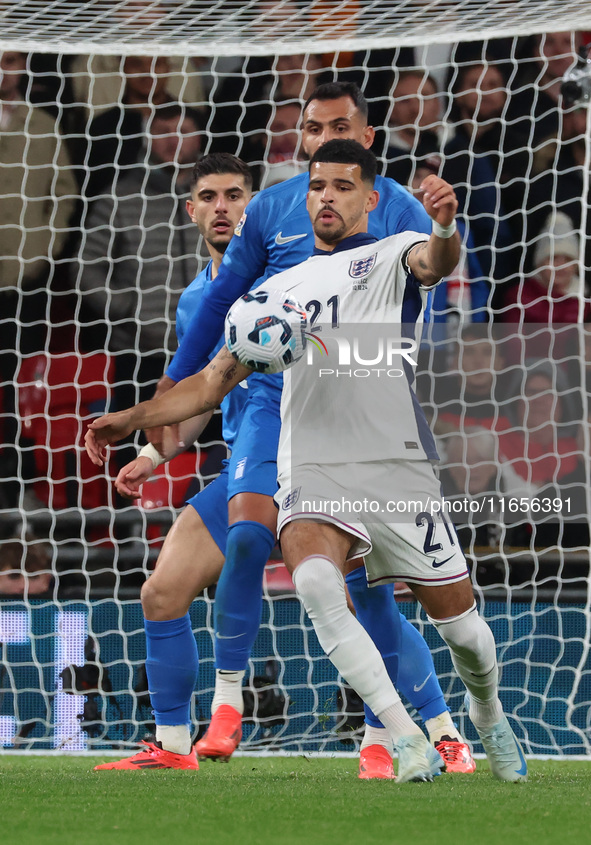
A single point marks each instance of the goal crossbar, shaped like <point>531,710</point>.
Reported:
<point>229,28</point>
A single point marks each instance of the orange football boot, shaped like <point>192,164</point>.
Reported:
<point>457,756</point>
<point>223,736</point>
<point>375,763</point>
<point>153,756</point>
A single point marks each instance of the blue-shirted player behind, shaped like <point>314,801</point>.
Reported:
<point>274,234</point>
<point>193,553</point>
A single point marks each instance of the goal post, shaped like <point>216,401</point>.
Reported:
<point>72,559</point>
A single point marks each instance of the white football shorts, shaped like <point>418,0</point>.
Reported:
<point>392,509</point>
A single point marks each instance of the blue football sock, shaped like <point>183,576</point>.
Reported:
<point>239,594</point>
<point>417,679</point>
<point>378,612</point>
<point>403,649</point>
<point>172,666</point>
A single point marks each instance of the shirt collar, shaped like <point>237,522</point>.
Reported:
<point>360,239</point>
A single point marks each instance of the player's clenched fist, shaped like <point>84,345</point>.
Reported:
<point>439,199</point>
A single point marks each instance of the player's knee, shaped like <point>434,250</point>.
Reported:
<point>320,586</point>
<point>151,600</point>
<point>239,538</point>
<point>160,604</point>
<point>248,547</point>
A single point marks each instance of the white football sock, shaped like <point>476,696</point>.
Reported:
<point>398,722</point>
<point>376,736</point>
<point>321,588</point>
<point>473,653</point>
<point>228,690</point>
<point>442,725</point>
<point>175,738</point>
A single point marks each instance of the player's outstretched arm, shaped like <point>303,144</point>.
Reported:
<point>192,396</point>
<point>438,257</point>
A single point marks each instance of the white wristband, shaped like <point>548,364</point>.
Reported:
<point>151,452</point>
<point>444,231</point>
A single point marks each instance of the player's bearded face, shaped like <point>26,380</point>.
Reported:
<point>337,201</point>
<point>325,120</point>
<point>330,233</point>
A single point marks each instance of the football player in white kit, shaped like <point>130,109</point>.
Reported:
<point>343,430</point>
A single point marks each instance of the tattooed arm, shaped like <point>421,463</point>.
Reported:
<point>191,396</point>
<point>438,257</point>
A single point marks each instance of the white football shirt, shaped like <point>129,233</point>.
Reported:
<point>350,399</point>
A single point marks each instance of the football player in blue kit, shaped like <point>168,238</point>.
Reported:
<point>221,187</point>
<point>274,234</point>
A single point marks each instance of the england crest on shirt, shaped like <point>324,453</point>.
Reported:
<point>362,266</point>
<point>291,499</point>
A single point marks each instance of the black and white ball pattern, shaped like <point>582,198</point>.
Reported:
<point>266,330</point>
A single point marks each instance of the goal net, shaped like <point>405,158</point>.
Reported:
<point>95,249</point>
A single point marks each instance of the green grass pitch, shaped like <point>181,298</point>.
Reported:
<point>284,801</point>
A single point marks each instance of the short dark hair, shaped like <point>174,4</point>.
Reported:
<point>336,90</point>
<point>221,163</point>
<point>341,151</point>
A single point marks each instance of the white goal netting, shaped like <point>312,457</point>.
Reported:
<point>256,27</point>
<point>95,248</point>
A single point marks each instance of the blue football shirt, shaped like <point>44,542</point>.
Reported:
<point>233,404</point>
<point>274,234</point>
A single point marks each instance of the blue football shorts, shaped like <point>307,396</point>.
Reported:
<point>211,504</point>
<point>252,467</point>
<point>253,464</point>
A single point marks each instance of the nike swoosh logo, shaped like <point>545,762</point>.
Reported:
<point>522,770</point>
<point>436,564</point>
<point>228,637</point>
<point>420,687</point>
<point>285,239</point>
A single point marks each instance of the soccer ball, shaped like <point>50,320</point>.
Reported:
<point>265,330</point>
